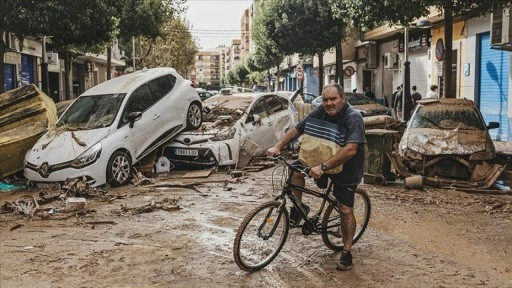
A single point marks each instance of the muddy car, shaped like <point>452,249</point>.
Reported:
<point>112,126</point>
<point>235,128</point>
<point>366,106</point>
<point>447,142</point>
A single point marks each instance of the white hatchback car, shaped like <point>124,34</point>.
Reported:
<point>114,125</point>
<point>234,125</point>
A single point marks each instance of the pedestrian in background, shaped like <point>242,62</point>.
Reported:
<point>368,93</point>
<point>398,104</point>
<point>393,97</point>
<point>432,94</point>
<point>415,95</point>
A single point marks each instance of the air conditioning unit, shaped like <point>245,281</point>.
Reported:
<point>371,56</point>
<point>501,27</point>
<point>390,60</point>
<point>53,58</point>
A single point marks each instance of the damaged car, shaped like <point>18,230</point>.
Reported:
<point>365,105</point>
<point>447,142</point>
<point>235,128</point>
<point>112,126</point>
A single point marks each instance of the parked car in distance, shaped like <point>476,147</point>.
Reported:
<point>235,127</point>
<point>259,88</point>
<point>112,126</point>
<point>226,91</point>
<point>204,95</point>
<point>448,143</point>
<point>363,104</point>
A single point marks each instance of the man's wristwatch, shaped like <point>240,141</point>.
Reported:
<point>323,167</point>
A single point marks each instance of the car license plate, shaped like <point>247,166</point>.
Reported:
<point>185,152</point>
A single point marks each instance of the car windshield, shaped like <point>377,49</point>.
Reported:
<point>442,117</point>
<point>91,112</point>
<point>358,99</point>
<point>226,106</point>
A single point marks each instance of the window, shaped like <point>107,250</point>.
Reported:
<point>274,105</point>
<point>162,86</point>
<point>259,108</point>
<point>140,100</point>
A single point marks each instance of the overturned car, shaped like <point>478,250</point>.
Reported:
<point>447,142</point>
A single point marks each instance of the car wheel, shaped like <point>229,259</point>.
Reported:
<point>194,116</point>
<point>119,168</point>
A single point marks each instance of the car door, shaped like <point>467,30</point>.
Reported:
<point>171,101</point>
<point>148,128</point>
<point>263,132</point>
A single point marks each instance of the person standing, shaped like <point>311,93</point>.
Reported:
<point>398,104</point>
<point>348,129</point>
<point>415,95</point>
<point>368,93</point>
<point>393,97</point>
<point>432,94</point>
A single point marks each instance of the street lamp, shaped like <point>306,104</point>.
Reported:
<point>406,92</point>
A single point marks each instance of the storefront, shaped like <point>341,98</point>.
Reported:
<point>420,67</point>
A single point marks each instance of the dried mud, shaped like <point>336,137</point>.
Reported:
<point>416,238</point>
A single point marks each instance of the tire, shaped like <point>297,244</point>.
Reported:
<point>331,221</point>
<point>251,251</point>
<point>194,116</point>
<point>119,168</point>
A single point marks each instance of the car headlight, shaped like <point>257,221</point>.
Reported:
<point>224,135</point>
<point>88,157</point>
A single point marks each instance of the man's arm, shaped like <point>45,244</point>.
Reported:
<point>288,137</point>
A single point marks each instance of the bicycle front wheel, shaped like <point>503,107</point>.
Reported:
<point>331,221</point>
<point>261,236</point>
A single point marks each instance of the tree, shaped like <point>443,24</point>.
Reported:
<point>298,26</point>
<point>370,14</point>
<point>175,48</point>
<point>19,17</point>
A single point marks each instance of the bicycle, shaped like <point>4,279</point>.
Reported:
<point>264,230</point>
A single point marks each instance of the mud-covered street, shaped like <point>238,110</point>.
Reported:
<point>181,237</point>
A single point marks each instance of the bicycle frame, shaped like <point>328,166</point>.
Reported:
<point>287,192</point>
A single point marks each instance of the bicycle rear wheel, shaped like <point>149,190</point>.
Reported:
<point>261,236</point>
<point>331,221</point>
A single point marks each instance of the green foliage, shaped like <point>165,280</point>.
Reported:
<point>297,26</point>
<point>175,48</point>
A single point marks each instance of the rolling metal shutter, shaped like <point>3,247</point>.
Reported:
<point>10,77</point>
<point>493,91</point>
<point>27,69</point>
<point>419,75</point>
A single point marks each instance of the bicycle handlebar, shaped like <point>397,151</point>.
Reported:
<point>281,158</point>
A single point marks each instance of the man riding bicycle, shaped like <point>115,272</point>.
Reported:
<point>337,121</point>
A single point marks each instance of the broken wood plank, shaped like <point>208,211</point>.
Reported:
<point>198,174</point>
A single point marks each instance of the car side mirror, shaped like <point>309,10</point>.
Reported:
<point>134,116</point>
<point>493,125</point>
<point>256,118</point>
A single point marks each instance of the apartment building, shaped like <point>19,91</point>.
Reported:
<point>207,68</point>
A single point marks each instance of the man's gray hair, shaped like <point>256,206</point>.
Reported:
<point>334,85</point>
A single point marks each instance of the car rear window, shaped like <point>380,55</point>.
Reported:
<point>162,86</point>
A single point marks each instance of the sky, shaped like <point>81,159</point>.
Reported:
<point>215,22</point>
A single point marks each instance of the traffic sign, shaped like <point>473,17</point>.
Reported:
<point>299,75</point>
<point>274,78</point>
<point>299,68</point>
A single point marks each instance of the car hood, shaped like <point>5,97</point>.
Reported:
<point>429,141</point>
<point>58,146</point>
<point>371,109</point>
<point>208,130</point>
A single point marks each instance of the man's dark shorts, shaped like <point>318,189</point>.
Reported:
<point>344,194</point>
